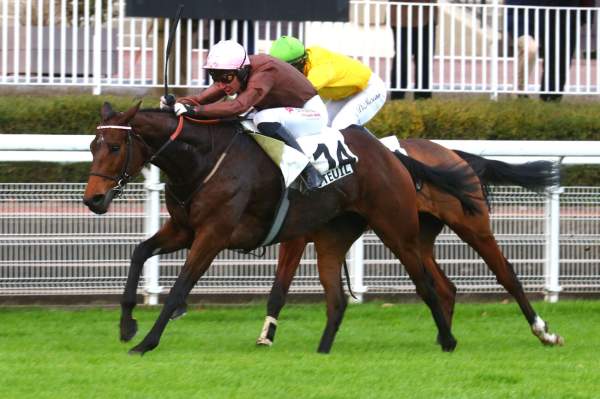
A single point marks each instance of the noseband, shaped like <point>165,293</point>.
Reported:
<point>123,178</point>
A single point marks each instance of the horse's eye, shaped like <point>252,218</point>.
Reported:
<point>114,147</point>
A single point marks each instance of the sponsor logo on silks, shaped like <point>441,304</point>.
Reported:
<point>337,174</point>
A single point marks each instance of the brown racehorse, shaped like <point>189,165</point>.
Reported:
<point>223,190</point>
<point>437,209</point>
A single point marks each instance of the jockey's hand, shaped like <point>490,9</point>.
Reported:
<point>183,109</point>
<point>167,102</point>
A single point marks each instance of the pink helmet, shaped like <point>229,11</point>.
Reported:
<point>227,54</point>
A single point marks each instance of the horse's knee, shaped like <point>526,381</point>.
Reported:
<point>175,300</point>
<point>141,253</point>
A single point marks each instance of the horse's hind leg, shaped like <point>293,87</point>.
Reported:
<point>397,226</point>
<point>430,227</point>
<point>168,239</point>
<point>290,253</point>
<point>486,246</point>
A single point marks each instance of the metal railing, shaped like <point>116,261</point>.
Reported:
<point>468,47</point>
<point>51,244</point>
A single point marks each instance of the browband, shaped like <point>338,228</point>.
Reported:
<point>113,127</point>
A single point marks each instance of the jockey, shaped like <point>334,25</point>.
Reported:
<point>286,102</point>
<point>353,93</point>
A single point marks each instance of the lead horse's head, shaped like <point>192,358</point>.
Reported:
<point>118,155</point>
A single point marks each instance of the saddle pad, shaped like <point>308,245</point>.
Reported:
<point>327,150</point>
<point>290,161</point>
<point>393,144</point>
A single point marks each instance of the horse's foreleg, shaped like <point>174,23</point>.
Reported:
<point>290,253</point>
<point>487,247</point>
<point>168,239</point>
<point>203,251</point>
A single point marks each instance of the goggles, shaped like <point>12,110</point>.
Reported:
<point>222,75</point>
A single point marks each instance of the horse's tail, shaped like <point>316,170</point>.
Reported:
<point>534,176</point>
<point>457,181</point>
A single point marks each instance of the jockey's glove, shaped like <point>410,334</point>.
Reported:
<point>183,109</point>
<point>167,102</point>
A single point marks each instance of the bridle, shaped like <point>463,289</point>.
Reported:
<point>123,177</point>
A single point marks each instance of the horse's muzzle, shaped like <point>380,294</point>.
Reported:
<point>99,203</point>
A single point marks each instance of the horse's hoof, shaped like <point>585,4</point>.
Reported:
<point>139,350</point>
<point>448,344</point>
<point>128,330</point>
<point>263,342</point>
<point>142,348</point>
<point>135,351</point>
<point>540,330</point>
<point>553,340</point>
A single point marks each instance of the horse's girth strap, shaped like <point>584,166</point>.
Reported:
<point>282,210</point>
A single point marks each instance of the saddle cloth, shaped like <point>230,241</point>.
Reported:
<point>327,151</point>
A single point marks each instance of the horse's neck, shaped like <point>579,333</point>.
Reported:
<point>191,155</point>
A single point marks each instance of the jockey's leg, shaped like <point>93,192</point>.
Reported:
<point>288,123</point>
<point>277,131</point>
<point>361,107</point>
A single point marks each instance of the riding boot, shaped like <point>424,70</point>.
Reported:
<point>310,174</point>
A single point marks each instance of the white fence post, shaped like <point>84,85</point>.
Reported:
<point>357,269</point>
<point>552,271</point>
<point>152,211</point>
<point>98,47</point>
<point>495,60</point>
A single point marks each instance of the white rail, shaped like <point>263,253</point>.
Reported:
<point>546,237</point>
<point>472,48</point>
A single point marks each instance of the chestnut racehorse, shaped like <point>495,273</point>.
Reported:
<point>223,191</point>
<point>436,209</point>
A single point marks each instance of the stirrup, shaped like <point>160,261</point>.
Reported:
<point>311,178</point>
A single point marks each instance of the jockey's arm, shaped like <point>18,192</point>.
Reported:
<point>210,95</point>
<point>223,109</point>
<point>320,76</point>
<point>258,88</point>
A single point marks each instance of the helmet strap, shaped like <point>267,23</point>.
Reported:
<point>242,75</point>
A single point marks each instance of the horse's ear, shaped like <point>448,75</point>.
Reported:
<point>130,113</point>
<point>106,112</point>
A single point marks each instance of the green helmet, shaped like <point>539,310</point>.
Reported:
<point>288,49</point>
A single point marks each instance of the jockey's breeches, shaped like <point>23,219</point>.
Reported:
<point>304,121</point>
<point>359,108</point>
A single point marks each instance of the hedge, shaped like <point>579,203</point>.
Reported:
<point>465,118</point>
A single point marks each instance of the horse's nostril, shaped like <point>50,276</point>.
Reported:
<point>97,199</point>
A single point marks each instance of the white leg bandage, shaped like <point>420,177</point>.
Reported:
<point>540,330</point>
<point>267,332</point>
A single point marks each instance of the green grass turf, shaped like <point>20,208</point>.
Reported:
<point>381,351</point>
